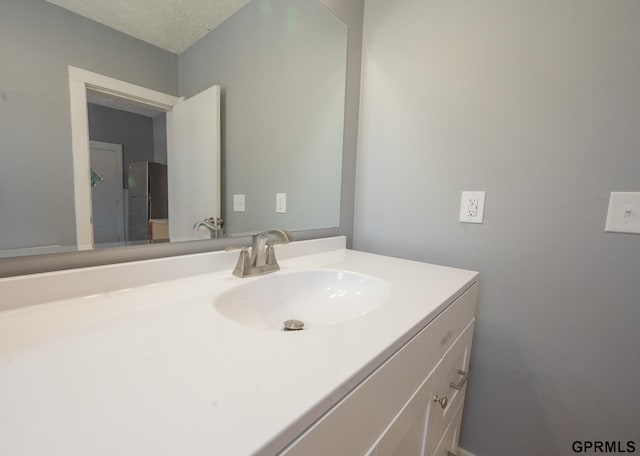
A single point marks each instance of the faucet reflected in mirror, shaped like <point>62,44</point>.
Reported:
<point>213,225</point>
<point>262,257</point>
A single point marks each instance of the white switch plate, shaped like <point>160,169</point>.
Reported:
<point>624,213</point>
<point>238,203</point>
<point>281,203</point>
<point>472,207</point>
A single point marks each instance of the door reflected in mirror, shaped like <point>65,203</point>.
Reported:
<point>280,66</point>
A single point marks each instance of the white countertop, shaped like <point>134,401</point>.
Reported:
<point>156,370</point>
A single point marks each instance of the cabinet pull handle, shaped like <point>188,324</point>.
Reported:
<point>441,400</point>
<point>458,386</point>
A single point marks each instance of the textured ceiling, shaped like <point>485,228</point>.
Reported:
<point>173,25</point>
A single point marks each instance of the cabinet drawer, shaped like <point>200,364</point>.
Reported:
<point>352,426</point>
<point>449,387</point>
<point>448,446</point>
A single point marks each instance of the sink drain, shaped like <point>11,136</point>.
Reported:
<point>293,325</point>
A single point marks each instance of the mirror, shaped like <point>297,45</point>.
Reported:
<point>280,66</point>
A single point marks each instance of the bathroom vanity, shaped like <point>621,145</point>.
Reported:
<point>177,356</point>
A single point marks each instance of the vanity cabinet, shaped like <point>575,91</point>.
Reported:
<point>448,446</point>
<point>356,389</point>
<point>411,404</point>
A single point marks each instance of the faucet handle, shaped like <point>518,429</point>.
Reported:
<point>244,261</point>
<point>271,256</point>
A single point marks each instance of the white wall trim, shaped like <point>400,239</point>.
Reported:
<point>79,81</point>
<point>462,452</point>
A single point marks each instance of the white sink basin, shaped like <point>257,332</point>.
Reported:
<point>317,298</point>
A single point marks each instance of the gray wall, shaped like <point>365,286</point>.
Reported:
<point>282,72</point>
<point>37,43</point>
<point>135,132</point>
<point>537,103</point>
<point>160,138</point>
<point>350,12</point>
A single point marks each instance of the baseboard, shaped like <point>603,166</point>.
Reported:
<point>462,452</point>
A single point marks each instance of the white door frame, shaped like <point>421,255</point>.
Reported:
<point>117,149</point>
<point>79,81</point>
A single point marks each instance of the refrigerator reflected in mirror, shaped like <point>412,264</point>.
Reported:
<point>148,208</point>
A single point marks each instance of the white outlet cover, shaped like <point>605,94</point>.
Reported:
<point>623,215</point>
<point>281,203</point>
<point>472,207</point>
<point>238,203</point>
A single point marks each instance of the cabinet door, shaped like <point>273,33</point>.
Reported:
<point>449,387</point>
<point>405,434</point>
<point>448,446</point>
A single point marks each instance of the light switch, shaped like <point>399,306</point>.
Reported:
<point>238,203</point>
<point>624,213</point>
<point>472,207</point>
<point>281,203</point>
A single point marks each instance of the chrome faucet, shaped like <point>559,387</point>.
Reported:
<point>262,258</point>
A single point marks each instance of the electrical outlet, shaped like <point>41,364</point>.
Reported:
<point>472,207</point>
<point>238,203</point>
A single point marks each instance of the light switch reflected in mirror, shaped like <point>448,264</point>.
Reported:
<point>280,66</point>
